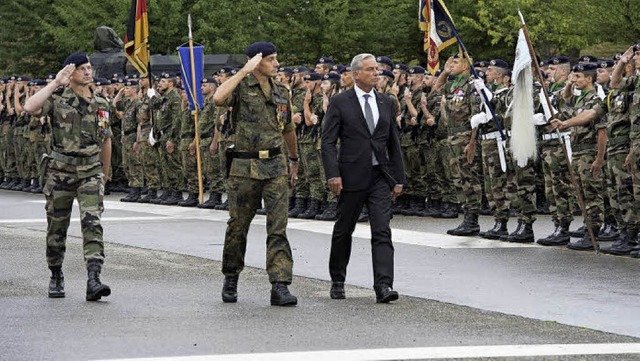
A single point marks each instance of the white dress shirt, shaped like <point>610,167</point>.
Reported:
<point>373,102</point>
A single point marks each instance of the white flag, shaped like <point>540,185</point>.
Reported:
<point>523,132</point>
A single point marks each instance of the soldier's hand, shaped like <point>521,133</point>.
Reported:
<point>297,118</point>
<point>314,119</point>
<point>136,147</point>
<point>627,162</point>
<point>293,169</point>
<point>64,75</point>
<point>470,151</point>
<point>396,191</point>
<point>557,124</point>
<point>192,148</point>
<point>407,97</point>
<point>335,184</point>
<point>626,57</point>
<point>431,121</point>
<point>252,63</point>
<point>596,169</point>
<point>213,148</point>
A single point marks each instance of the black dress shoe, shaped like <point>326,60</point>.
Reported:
<point>385,294</point>
<point>230,289</point>
<point>337,291</point>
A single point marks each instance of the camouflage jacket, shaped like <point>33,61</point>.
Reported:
<point>632,85</point>
<point>143,114</point>
<point>259,122</point>
<point>462,101</point>
<point>187,124</point>
<point>410,132</point>
<point>130,121</point>
<point>207,122</point>
<point>168,120</point>
<point>311,134</point>
<point>584,138</point>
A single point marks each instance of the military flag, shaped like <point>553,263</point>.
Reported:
<point>136,39</point>
<point>439,31</point>
<point>523,132</point>
<point>194,92</point>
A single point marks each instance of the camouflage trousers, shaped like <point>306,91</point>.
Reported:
<point>132,165</point>
<point>465,177</point>
<point>621,191</point>
<point>150,165</point>
<point>557,182</point>
<point>496,178</point>
<point>634,170</point>
<point>412,167</point>
<point>8,152</point>
<point>213,165</point>
<point>301,188</point>
<point>171,167</point>
<point>331,197</point>
<point>118,172</point>
<point>611,213</point>
<point>3,156</point>
<point>521,190</point>
<point>30,166</point>
<point>189,166</point>
<point>39,147</point>
<point>245,196</point>
<point>310,158</point>
<point>442,172</point>
<point>19,143</point>
<point>429,181</point>
<point>591,188</point>
<point>62,185</point>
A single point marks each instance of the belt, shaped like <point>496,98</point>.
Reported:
<point>494,135</point>
<point>74,160</point>
<point>584,146</point>
<point>129,132</point>
<point>550,136</point>
<point>262,154</point>
<point>206,135</point>
<point>188,135</point>
<point>456,130</point>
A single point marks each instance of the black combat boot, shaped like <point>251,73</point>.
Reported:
<point>280,295</point>
<point>311,211</point>
<point>432,208</point>
<point>95,289</point>
<point>230,289</point>
<point>32,183</point>
<point>56,284</point>
<point>579,233</point>
<point>292,203</point>
<point>300,207</point>
<point>144,191</point>
<point>523,234</point>
<point>175,197</point>
<point>158,199</point>
<point>499,229</point>
<point>17,186</point>
<point>3,182</point>
<point>608,233</point>
<point>10,183</point>
<point>37,187</point>
<point>449,211</point>
<point>215,198</point>
<point>224,206</point>
<point>468,227</point>
<point>401,204</point>
<point>151,194</point>
<point>626,243</point>
<point>412,207</point>
<point>584,243</point>
<point>191,201</point>
<point>330,212</point>
<point>559,237</point>
<point>133,196</point>
<point>261,211</point>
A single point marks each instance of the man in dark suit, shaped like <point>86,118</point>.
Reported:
<point>366,168</point>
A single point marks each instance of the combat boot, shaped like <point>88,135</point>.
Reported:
<point>224,206</point>
<point>280,295</point>
<point>330,212</point>
<point>95,289</point>
<point>56,284</point>
<point>10,183</point>
<point>431,209</point>
<point>17,185</point>
<point>37,187</point>
<point>261,211</point>
<point>215,198</point>
<point>559,237</point>
<point>133,196</point>
<point>583,244</point>
<point>499,229</point>
<point>449,211</point>
<point>523,234</point>
<point>175,196</point>
<point>230,289</point>
<point>578,233</point>
<point>158,199</point>
<point>608,233</point>
<point>32,183</point>
<point>311,211</point>
<point>468,227</point>
<point>412,207</point>
<point>191,201</point>
<point>292,203</point>
<point>401,203</point>
<point>300,207</point>
<point>624,245</point>
<point>3,182</point>
<point>151,194</point>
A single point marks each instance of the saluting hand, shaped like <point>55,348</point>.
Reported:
<point>252,63</point>
<point>64,75</point>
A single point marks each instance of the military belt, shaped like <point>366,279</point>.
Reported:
<point>494,135</point>
<point>584,146</point>
<point>456,130</point>
<point>188,135</point>
<point>74,160</point>
<point>618,141</point>
<point>262,154</point>
<point>554,135</point>
<point>206,135</point>
<point>129,132</point>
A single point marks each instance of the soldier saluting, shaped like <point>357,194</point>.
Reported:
<point>78,167</point>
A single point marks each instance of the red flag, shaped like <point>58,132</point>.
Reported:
<point>137,37</point>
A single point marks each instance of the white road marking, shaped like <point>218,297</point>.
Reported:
<point>420,353</point>
<point>419,238</point>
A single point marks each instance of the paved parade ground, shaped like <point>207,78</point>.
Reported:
<point>460,297</point>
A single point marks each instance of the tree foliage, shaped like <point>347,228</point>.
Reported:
<point>37,35</point>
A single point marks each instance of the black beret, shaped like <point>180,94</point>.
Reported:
<point>617,56</point>
<point>387,73</point>
<point>120,80</point>
<point>588,59</point>
<point>313,76</point>
<point>338,68</point>
<point>560,59</point>
<point>385,60</point>
<point>605,64</point>
<point>346,69</point>
<point>285,69</point>
<point>167,75</point>
<point>401,67</point>
<point>324,60</point>
<point>23,78</point>
<point>39,82</point>
<point>481,64</point>
<point>101,81</point>
<point>584,67</point>
<point>2,81</point>
<point>636,47</point>
<point>225,70</point>
<point>264,47</point>
<point>438,72</point>
<point>460,56</point>
<point>131,82</point>
<point>51,76</point>
<point>116,76</point>
<point>209,81</point>
<point>331,76</point>
<point>132,76</point>
<point>13,77</point>
<point>417,70</point>
<point>499,63</point>
<point>77,58</point>
<point>301,69</point>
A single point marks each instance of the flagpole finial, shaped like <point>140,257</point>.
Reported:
<point>189,24</point>
<point>521,17</point>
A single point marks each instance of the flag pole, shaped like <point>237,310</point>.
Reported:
<point>572,175</point>
<point>195,112</point>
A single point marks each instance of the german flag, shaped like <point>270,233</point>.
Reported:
<point>136,39</point>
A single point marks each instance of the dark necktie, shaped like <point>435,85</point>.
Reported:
<point>368,113</point>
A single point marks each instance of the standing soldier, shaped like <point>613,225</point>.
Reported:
<point>258,169</point>
<point>585,114</point>
<point>10,153</point>
<point>78,168</point>
<point>20,129</point>
<point>148,154</point>
<point>189,155</point>
<point>131,157</point>
<point>210,161</point>
<point>4,120</point>
<point>40,138</point>
<point>298,92</point>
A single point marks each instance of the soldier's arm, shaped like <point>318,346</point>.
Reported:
<point>616,77</point>
<point>222,95</point>
<point>602,144</point>
<point>105,157</point>
<point>34,104</point>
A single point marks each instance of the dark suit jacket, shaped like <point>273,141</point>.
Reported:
<point>351,159</point>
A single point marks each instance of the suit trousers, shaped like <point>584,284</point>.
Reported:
<point>377,197</point>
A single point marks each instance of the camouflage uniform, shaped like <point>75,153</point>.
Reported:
<point>259,123</point>
<point>40,138</point>
<point>309,144</point>
<point>168,123</point>
<point>210,162</point>
<point>148,154</point>
<point>131,161</point>
<point>431,180</point>
<point>631,215</point>
<point>301,188</point>
<point>78,129</point>
<point>189,161</point>
<point>118,173</point>
<point>412,157</point>
<point>20,144</point>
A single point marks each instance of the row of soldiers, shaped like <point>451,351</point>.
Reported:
<point>452,148</point>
